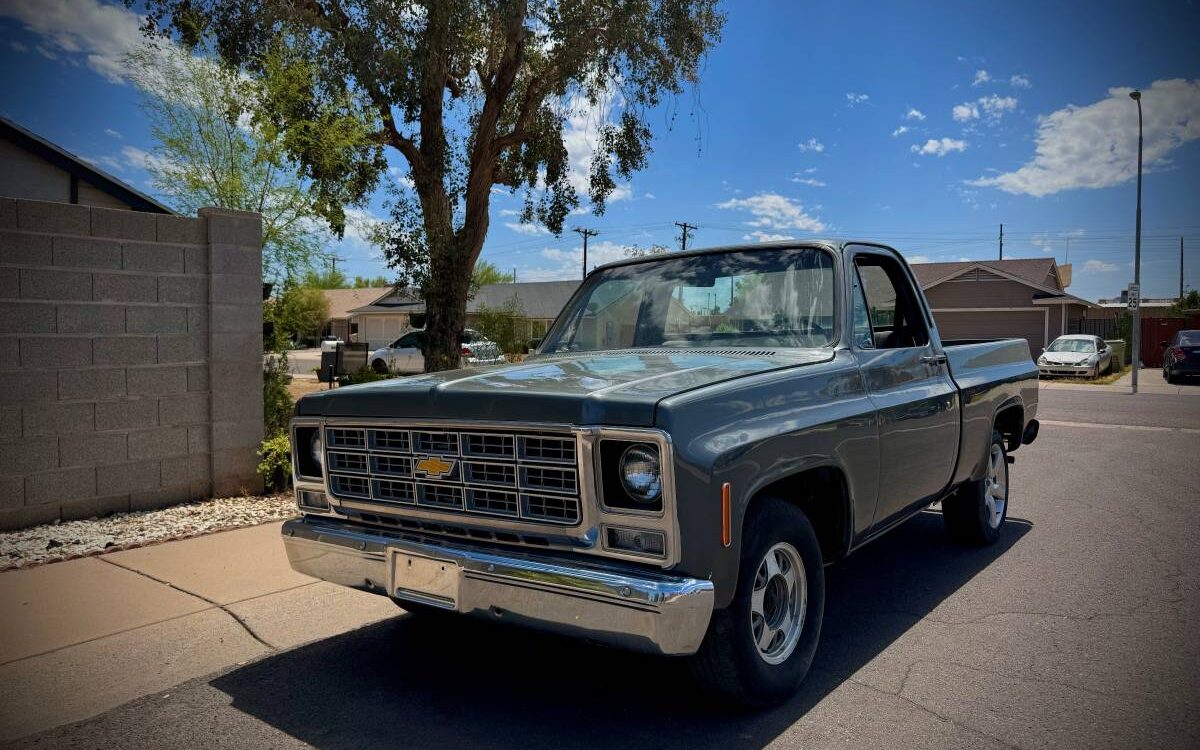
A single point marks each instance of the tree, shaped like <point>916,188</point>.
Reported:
<point>486,272</point>
<point>1189,302</point>
<point>365,282</point>
<point>636,251</point>
<point>505,325</point>
<point>471,94</point>
<point>210,153</point>
<point>299,312</point>
<point>331,279</point>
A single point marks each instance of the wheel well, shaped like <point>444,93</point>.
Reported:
<point>821,493</point>
<point>1010,421</point>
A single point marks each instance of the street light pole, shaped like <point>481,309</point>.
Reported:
<point>1137,251</point>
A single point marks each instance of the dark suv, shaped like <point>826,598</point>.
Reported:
<point>1181,356</point>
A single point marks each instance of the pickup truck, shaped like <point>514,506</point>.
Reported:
<point>697,436</point>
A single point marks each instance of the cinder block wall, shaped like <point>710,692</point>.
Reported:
<point>130,359</point>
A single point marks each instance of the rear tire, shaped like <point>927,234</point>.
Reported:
<point>1172,378</point>
<point>976,511</point>
<point>758,650</point>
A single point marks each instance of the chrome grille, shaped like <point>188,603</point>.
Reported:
<point>523,476</point>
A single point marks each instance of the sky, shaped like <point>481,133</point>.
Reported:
<point>921,125</point>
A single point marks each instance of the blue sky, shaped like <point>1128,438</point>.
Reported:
<point>922,125</point>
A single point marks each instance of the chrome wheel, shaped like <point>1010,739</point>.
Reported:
<point>778,603</point>
<point>995,487</point>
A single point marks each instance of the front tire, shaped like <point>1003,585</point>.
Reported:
<point>380,367</point>
<point>758,650</point>
<point>976,511</point>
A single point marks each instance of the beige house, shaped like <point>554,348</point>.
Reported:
<point>341,302</point>
<point>36,169</point>
<point>990,299</point>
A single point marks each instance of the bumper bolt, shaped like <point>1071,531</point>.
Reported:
<point>625,591</point>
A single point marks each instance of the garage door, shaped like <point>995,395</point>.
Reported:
<point>1006,324</point>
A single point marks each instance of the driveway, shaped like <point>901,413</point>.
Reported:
<point>1076,630</point>
<point>304,362</point>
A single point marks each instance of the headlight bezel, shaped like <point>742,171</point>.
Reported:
<point>613,496</point>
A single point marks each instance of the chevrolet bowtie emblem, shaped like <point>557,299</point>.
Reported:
<point>434,467</point>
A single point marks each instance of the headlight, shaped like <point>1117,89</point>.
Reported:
<point>641,472</point>
<point>315,448</point>
<point>1041,360</point>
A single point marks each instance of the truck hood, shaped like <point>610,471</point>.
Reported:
<point>615,388</point>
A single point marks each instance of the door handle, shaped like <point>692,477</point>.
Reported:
<point>934,359</point>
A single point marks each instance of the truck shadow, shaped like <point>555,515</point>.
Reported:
<point>412,683</point>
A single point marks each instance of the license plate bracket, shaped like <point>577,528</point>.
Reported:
<point>422,579</point>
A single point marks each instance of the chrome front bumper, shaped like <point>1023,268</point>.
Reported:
<point>646,611</point>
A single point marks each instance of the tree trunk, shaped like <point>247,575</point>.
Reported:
<point>445,292</point>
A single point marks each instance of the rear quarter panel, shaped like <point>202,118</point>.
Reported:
<point>991,376</point>
<point>753,431</point>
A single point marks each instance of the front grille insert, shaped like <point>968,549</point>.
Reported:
<point>524,476</point>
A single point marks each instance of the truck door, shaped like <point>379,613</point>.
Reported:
<point>908,381</point>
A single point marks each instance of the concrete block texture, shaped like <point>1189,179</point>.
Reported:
<point>46,352</point>
<point>115,354</point>
<point>149,256</point>
<point>61,218</point>
<point>23,248</point>
<point>91,318</point>
<point>62,487</point>
<point>95,384</point>
<point>124,287</point>
<point>57,285</point>
<point>123,224</point>
<point>27,317</point>
<point>156,319</point>
<point>85,252</point>
<point>125,350</point>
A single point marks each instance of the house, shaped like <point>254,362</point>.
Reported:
<point>341,302</point>
<point>36,169</point>
<point>990,299</point>
<point>382,320</point>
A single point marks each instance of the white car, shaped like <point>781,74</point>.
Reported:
<point>1078,355</point>
<point>404,354</point>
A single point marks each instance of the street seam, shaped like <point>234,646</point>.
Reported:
<point>224,608</point>
<point>1109,426</point>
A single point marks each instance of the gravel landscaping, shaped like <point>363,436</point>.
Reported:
<point>71,539</point>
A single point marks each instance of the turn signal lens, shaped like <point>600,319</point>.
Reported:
<point>637,541</point>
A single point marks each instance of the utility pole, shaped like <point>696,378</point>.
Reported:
<point>333,261</point>
<point>586,233</point>
<point>1181,268</point>
<point>1137,254</point>
<point>514,274</point>
<point>686,228</point>
<point>1001,242</point>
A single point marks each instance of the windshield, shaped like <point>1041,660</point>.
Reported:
<point>763,298</point>
<point>1079,346</point>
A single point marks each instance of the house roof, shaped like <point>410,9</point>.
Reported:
<point>80,169</point>
<point>342,301</point>
<point>1029,270</point>
<point>539,299</point>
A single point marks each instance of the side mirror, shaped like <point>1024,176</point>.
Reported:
<point>1043,348</point>
<point>1162,345</point>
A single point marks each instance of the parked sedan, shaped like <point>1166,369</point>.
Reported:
<point>1181,356</point>
<point>404,354</point>
<point>1078,355</point>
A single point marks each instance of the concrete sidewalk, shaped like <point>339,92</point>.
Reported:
<point>83,636</point>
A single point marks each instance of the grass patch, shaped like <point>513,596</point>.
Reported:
<point>1108,379</point>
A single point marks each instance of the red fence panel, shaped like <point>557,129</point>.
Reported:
<point>1154,332</point>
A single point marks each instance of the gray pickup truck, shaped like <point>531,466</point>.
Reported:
<point>697,436</point>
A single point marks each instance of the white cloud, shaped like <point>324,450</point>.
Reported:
<point>939,147</point>
<point>853,99</point>
<point>774,211</point>
<point>900,131</point>
<point>113,133</point>
<point>914,114</point>
<point>1100,266</point>
<point>1019,81</point>
<point>810,170</point>
<point>760,236</point>
<point>649,196</point>
<point>810,181</point>
<point>812,144</point>
<point>402,177</point>
<point>918,259</point>
<point>992,106</point>
<point>964,112</point>
<point>567,263</point>
<point>581,135</point>
<point>18,46</point>
<point>89,31</point>
<point>981,77</point>
<point>1095,146</point>
<point>531,229</point>
<point>509,212</point>
<point>139,159</point>
<point>109,162</point>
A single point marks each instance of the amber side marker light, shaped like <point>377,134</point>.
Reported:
<point>726,522</point>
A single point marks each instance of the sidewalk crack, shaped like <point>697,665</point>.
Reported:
<point>224,608</point>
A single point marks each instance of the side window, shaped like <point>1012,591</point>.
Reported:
<point>894,312</point>
<point>408,341</point>
<point>863,337</point>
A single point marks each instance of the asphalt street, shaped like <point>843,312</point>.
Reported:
<point>1076,630</point>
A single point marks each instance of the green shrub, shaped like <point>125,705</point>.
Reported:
<point>277,401</point>
<point>276,465</point>
<point>363,375</point>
